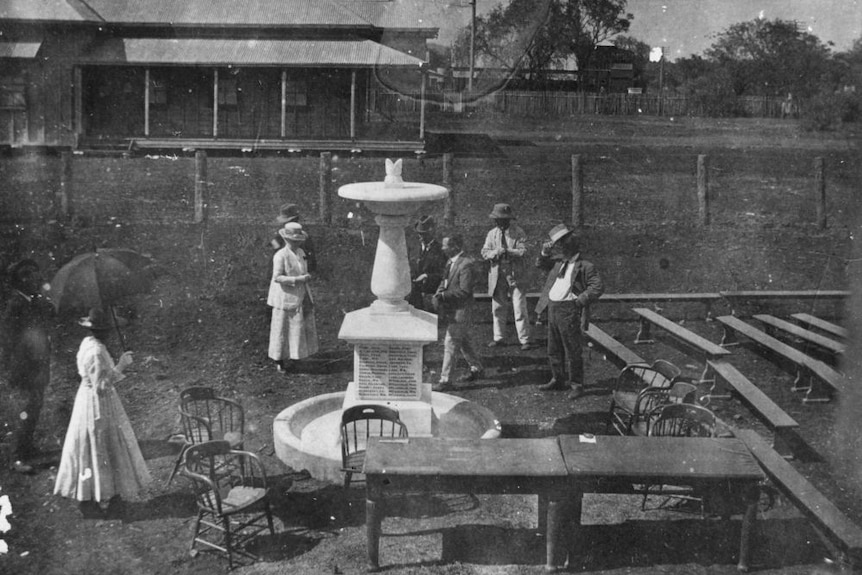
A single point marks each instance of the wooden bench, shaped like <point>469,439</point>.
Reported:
<point>736,297</point>
<point>830,345</point>
<point>706,298</point>
<point>614,351</point>
<point>696,342</point>
<point>836,527</point>
<point>823,325</point>
<point>783,426</point>
<point>807,368</point>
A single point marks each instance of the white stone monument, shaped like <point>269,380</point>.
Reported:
<point>388,336</point>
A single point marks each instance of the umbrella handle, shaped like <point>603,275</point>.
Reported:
<point>117,327</point>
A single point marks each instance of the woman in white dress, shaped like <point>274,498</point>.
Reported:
<point>293,332</point>
<point>101,460</point>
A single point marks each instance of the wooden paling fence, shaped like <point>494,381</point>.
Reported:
<point>558,103</point>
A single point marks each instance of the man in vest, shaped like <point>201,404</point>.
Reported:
<point>573,283</point>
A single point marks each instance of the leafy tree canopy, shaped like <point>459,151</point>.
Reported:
<point>535,34</point>
<point>770,57</point>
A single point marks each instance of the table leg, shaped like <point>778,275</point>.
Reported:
<point>572,525</point>
<point>373,519</point>
<point>555,519</point>
<point>752,496</point>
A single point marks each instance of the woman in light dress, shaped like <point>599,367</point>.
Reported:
<point>293,332</point>
<point>101,460</point>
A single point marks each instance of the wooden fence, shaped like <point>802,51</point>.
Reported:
<point>574,103</point>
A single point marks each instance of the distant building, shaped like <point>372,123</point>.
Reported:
<point>210,73</point>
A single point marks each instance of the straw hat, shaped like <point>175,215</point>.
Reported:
<point>502,212</point>
<point>98,319</point>
<point>293,231</point>
<point>425,224</point>
<point>287,213</point>
<point>558,232</point>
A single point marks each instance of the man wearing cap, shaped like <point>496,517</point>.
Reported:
<point>454,303</point>
<point>25,356</point>
<point>572,284</point>
<point>505,248</point>
<point>426,269</point>
<point>288,213</point>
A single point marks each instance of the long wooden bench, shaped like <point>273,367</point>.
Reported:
<point>734,298</point>
<point>699,344</point>
<point>830,345</point>
<point>613,350</point>
<point>810,373</point>
<point>835,526</point>
<point>808,320</point>
<point>782,425</point>
<point>707,298</point>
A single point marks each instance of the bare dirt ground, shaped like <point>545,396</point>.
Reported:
<point>206,323</point>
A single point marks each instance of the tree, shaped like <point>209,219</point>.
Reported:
<point>535,34</point>
<point>640,58</point>
<point>770,57</point>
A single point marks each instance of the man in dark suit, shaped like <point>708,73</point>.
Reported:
<point>25,356</point>
<point>426,269</point>
<point>572,284</point>
<point>454,303</point>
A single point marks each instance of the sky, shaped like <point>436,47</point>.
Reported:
<point>687,27</point>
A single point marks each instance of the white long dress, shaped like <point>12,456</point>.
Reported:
<point>101,457</point>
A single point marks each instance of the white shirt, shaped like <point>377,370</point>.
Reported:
<point>562,288</point>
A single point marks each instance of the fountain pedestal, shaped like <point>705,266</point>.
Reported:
<point>389,334</point>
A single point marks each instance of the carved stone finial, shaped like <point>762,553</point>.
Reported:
<point>393,174</point>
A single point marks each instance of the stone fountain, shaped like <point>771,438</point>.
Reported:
<point>387,338</point>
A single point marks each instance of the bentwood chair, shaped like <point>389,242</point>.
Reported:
<point>230,489</point>
<point>208,417</point>
<point>358,424</point>
<point>629,389</point>
<point>680,420</point>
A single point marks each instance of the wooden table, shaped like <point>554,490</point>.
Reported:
<point>611,464</point>
<point>506,466</point>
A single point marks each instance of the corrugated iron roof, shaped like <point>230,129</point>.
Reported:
<point>19,49</point>
<point>222,13</point>
<point>46,11</point>
<point>401,14</point>
<point>223,52</point>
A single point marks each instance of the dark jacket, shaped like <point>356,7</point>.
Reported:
<point>429,261</point>
<point>586,284</point>
<point>25,346</point>
<point>455,294</point>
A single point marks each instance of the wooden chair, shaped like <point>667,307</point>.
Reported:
<point>208,417</point>
<point>360,422</point>
<point>631,382</point>
<point>680,420</point>
<point>231,493</point>
<point>652,398</point>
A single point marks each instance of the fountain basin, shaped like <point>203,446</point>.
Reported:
<point>307,434</point>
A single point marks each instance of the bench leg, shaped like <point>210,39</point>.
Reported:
<point>728,338</point>
<point>817,392</point>
<point>373,520</point>
<point>717,390</point>
<point>708,311</point>
<point>752,496</point>
<point>781,442</point>
<point>799,382</point>
<point>643,335</point>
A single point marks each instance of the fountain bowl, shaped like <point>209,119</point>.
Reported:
<point>307,434</point>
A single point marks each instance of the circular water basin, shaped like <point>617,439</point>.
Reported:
<point>307,434</point>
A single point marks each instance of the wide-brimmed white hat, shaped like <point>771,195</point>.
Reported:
<point>293,231</point>
<point>558,232</point>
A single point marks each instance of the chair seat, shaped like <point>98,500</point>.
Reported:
<point>234,438</point>
<point>355,461</point>
<point>241,497</point>
<point>626,400</point>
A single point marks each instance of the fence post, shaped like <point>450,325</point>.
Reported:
<point>449,184</point>
<point>201,204</point>
<point>577,192</point>
<point>703,189</point>
<point>325,188</point>
<point>820,192</point>
<point>64,194</point>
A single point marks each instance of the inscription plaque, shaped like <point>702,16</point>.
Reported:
<point>388,371</point>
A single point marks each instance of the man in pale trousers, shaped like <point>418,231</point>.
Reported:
<point>505,248</point>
